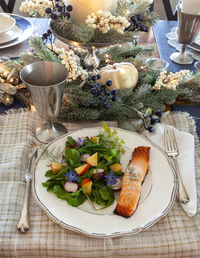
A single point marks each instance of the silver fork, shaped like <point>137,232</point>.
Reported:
<point>172,151</point>
<point>23,224</point>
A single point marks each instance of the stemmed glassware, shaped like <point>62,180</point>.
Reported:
<point>45,82</point>
<point>188,27</point>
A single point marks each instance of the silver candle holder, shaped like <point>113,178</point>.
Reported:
<point>45,82</point>
<point>188,27</point>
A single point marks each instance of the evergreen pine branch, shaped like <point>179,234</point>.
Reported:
<point>42,51</point>
<point>76,31</point>
<point>82,114</point>
<point>128,8</point>
<point>125,53</point>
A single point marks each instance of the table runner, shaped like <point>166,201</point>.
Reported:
<point>176,235</point>
<point>165,50</point>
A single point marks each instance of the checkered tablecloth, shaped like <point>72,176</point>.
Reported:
<point>176,235</point>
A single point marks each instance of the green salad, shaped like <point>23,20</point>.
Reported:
<point>90,169</point>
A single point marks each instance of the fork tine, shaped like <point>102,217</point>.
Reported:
<point>172,151</point>
<point>173,143</point>
<point>167,140</point>
<point>174,140</point>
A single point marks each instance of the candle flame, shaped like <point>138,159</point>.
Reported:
<point>75,43</point>
<point>32,108</point>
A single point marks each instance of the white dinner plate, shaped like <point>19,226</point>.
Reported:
<point>10,35</point>
<point>26,29</point>
<point>6,23</point>
<point>157,196</point>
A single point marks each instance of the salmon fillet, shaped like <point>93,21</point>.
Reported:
<point>132,182</point>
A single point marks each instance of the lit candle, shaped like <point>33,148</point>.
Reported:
<point>191,7</point>
<point>32,108</point>
<point>82,8</point>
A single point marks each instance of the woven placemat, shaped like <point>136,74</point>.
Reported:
<point>176,235</point>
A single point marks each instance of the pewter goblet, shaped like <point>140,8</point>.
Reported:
<point>45,82</point>
<point>188,27</point>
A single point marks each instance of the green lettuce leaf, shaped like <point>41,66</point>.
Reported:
<point>73,199</point>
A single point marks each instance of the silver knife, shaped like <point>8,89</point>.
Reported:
<point>23,224</point>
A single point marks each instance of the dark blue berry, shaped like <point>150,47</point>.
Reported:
<point>142,27</point>
<point>92,104</point>
<point>114,98</point>
<point>53,16</point>
<point>139,17</point>
<point>151,129</point>
<point>100,97</point>
<point>69,8</point>
<point>146,29</point>
<point>94,77</point>
<point>60,8</point>
<point>109,83</point>
<point>159,113</point>
<point>102,89</point>
<point>137,25</point>
<point>94,91</point>
<point>134,19</point>
<point>157,120</point>
<point>49,32</point>
<point>97,84</point>
<point>153,121</point>
<point>48,10</point>
<point>44,36</point>
<point>57,5</point>
<point>106,105</point>
<point>98,76</point>
<point>107,93</point>
<point>66,14</point>
<point>114,92</point>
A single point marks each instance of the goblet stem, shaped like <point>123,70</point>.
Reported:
<point>183,50</point>
<point>181,57</point>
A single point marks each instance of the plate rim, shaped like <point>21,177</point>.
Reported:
<point>15,42</point>
<point>15,37</point>
<point>8,16</point>
<point>114,234</point>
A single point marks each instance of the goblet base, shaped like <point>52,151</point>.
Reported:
<point>180,58</point>
<point>46,134</point>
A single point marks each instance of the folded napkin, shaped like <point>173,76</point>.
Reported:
<point>186,162</point>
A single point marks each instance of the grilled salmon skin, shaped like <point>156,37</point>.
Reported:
<point>132,182</point>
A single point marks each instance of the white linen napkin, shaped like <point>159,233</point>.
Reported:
<point>186,162</point>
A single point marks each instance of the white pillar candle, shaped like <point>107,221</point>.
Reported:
<point>191,7</point>
<point>82,8</point>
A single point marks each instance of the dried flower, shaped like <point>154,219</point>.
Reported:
<point>35,6</point>
<point>104,21</point>
<point>170,81</point>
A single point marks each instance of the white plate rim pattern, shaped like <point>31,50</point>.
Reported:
<point>16,31</point>
<point>17,41</point>
<point>117,233</point>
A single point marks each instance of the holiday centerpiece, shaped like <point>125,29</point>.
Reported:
<point>95,24</point>
<point>124,88</point>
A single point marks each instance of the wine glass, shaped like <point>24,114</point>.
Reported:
<point>45,82</point>
<point>188,27</point>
